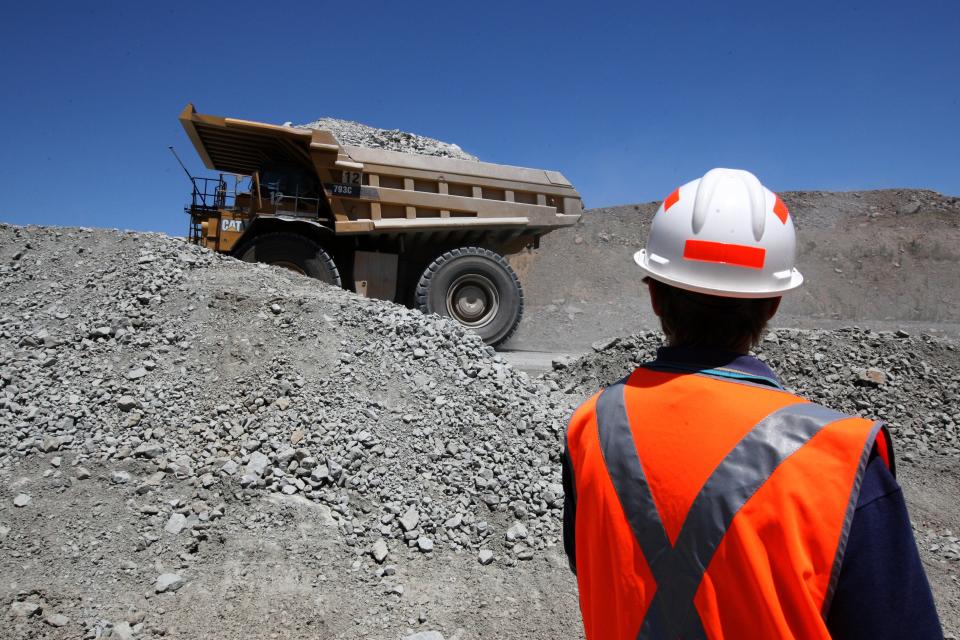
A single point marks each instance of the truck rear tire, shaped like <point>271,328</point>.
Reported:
<point>477,288</point>
<point>294,252</point>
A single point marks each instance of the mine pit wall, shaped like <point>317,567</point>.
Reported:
<point>886,259</point>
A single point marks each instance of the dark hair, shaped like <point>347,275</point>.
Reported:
<point>700,320</point>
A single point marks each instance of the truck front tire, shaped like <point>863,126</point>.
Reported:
<point>295,252</point>
<point>477,288</point>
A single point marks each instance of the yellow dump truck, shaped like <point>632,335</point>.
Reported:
<point>429,232</point>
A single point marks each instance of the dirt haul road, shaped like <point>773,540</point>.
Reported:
<point>196,447</point>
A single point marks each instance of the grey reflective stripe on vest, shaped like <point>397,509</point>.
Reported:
<point>678,569</point>
<point>848,518</point>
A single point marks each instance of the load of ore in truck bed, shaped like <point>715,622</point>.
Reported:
<point>362,135</point>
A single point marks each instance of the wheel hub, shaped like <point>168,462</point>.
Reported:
<point>473,300</point>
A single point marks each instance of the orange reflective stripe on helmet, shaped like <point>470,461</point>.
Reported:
<point>672,199</point>
<point>725,253</point>
<point>781,210</point>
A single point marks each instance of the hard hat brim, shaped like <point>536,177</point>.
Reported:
<point>641,258</point>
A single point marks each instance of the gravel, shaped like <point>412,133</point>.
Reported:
<point>910,382</point>
<point>361,135</point>
<point>339,446</point>
<point>422,441</point>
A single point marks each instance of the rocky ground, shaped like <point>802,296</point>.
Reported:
<point>181,432</point>
<point>191,446</point>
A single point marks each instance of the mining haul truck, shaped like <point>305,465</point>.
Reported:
<point>429,232</point>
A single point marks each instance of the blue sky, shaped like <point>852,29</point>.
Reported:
<point>626,99</point>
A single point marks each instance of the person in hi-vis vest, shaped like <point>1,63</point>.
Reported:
<point>702,500</point>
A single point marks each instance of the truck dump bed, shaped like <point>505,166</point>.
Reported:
<point>375,191</point>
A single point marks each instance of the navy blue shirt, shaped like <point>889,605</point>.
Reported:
<point>882,591</point>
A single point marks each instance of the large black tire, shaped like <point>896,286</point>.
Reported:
<point>292,251</point>
<point>477,288</point>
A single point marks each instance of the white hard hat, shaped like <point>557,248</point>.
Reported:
<point>724,234</point>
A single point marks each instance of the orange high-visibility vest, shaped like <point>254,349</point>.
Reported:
<point>711,508</point>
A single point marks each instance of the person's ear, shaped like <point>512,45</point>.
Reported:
<point>654,300</point>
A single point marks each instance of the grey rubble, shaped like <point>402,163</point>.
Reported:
<point>842,369</point>
<point>361,135</point>
<point>425,438</point>
<point>349,447</point>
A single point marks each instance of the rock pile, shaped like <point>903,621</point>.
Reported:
<point>910,382</point>
<point>164,410</point>
<point>140,347</point>
<point>361,135</point>
<point>247,379</point>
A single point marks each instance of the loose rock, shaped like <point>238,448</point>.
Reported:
<point>258,464</point>
<point>410,519</point>
<point>425,635</point>
<point>169,582</point>
<point>57,620</point>
<point>122,631</point>
<point>128,403</point>
<point>379,551</point>
<point>25,609</point>
<point>175,524</point>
